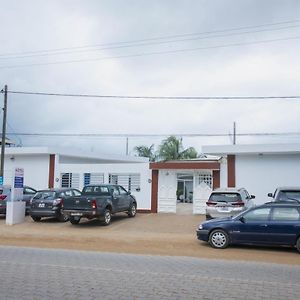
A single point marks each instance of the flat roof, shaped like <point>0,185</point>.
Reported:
<point>252,149</point>
<point>72,156</point>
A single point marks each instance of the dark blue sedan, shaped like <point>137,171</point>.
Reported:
<point>268,224</point>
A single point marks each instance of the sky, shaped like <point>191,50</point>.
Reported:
<point>205,48</point>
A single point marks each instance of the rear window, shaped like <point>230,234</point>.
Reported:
<point>225,197</point>
<point>45,195</point>
<point>96,190</point>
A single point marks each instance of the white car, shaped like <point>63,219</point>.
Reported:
<point>228,202</point>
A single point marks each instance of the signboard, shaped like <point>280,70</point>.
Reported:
<point>19,178</point>
<point>18,182</point>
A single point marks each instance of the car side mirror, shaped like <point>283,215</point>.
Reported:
<point>270,195</point>
<point>128,193</point>
<point>242,219</point>
<point>252,197</point>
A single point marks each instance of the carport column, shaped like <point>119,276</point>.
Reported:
<point>216,179</point>
<point>154,191</point>
<point>51,170</point>
<point>231,170</point>
<point>53,178</point>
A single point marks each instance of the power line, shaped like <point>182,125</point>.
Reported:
<point>133,135</point>
<point>153,39</point>
<point>138,44</point>
<point>149,53</point>
<point>290,97</point>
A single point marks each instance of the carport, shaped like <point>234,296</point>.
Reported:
<point>199,177</point>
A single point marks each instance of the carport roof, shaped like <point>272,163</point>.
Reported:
<point>71,156</point>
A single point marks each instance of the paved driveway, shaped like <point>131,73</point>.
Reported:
<point>31,273</point>
<point>162,234</point>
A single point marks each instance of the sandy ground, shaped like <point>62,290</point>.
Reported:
<point>156,234</point>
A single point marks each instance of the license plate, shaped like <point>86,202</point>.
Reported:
<point>224,208</point>
<point>41,204</point>
<point>76,214</point>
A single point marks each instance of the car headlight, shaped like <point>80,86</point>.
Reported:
<point>200,227</point>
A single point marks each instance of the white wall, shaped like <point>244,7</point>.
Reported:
<point>261,174</point>
<point>36,169</point>
<point>143,197</point>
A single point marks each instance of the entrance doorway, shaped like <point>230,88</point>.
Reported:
<point>184,193</point>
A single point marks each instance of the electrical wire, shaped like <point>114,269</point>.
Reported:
<point>139,44</point>
<point>290,97</point>
<point>149,53</point>
<point>134,135</point>
<point>152,39</point>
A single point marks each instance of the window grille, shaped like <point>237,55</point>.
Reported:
<point>130,182</point>
<point>206,178</point>
<point>69,180</point>
<point>93,178</point>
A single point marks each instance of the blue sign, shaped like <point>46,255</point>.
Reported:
<point>19,182</point>
<point>1,180</point>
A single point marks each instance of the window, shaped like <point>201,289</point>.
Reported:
<point>76,193</point>
<point>69,180</point>
<point>93,178</point>
<point>68,193</point>
<point>225,197</point>
<point>115,191</point>
<point>122,191</point>
<point>206,178</point>
<point>96,190</point>
<point>29,191</point>
<point>285,214</point>
<point>261,214</point>
<point>130,182</point>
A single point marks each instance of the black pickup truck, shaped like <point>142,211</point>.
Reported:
<point>99,201</point>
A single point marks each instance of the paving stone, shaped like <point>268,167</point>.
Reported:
<point>31,273</point>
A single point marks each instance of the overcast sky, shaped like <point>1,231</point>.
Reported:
<point>250,48</point>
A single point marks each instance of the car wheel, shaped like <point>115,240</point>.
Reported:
<point>132,210</point>
<point>219,239</point>
<point>298,244</point>
<point>107,217</point>
<point>74,221</point>
<point>62,218</point>
<point>36,219</point>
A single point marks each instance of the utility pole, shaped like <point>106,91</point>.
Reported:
<point>3,135</point>
<point>127,146</point>
<point>234,133</point>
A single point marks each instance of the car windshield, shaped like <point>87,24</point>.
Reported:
<point>225,197</point>
<point>45,195</point>
<point>289,195</point>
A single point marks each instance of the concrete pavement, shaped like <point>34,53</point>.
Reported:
<point>33,273</point>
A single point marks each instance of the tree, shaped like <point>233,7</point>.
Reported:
<point>145,151</point>
<point>172,149</point>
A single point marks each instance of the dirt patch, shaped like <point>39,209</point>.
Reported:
<point>159,234</point>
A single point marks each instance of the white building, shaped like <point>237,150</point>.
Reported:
<point>258,168</point>
<point>46,167</point>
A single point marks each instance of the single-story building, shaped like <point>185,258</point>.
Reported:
<point>258,168</point>
<point>47,167</point>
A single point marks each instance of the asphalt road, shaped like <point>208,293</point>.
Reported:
<point>33,273</point>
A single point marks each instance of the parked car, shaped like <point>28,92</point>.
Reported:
<point>5,193</point>
<point>100,202</point>
<point>228,202</point>
<point>276,223</point>
<point>48,203</point>
<point>286,194</point>
<point>28,193</point>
